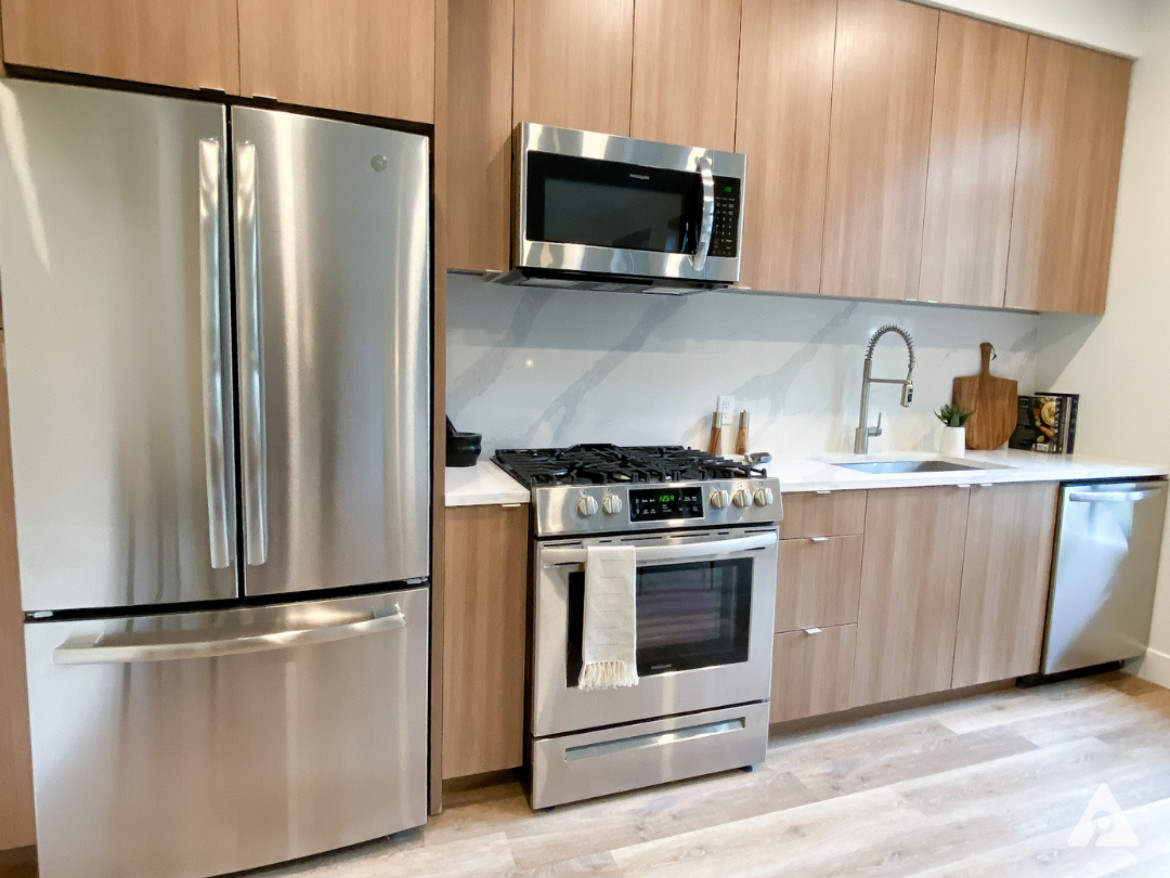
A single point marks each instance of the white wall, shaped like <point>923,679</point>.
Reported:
<point>541,368</point>
<point>1120,364</point>
<point>1112,25</point>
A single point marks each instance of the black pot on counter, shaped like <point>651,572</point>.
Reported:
<point>462,448</point>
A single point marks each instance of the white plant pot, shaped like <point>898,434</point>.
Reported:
<point>954,440</point>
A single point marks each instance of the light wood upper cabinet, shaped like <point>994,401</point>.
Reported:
<point>1066,181</point>
<point>911,575</point>
<point>192,44</point>
<point>686,66</point>
<point>785,92</point>
<point>361,56</point>
<point>879,141</point>
<point>978,90</point>
<point>573,63</point>
<point>1005,583</point>
<point>484,638</point>
<point>17,828</point>
<point>479,129</point>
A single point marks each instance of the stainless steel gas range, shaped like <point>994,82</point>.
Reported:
<point>705,534</point>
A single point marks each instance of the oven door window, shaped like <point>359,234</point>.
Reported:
<point>572,200</point>
<point>695,615</point>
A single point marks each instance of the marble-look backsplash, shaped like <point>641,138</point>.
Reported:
<point>533,368</point>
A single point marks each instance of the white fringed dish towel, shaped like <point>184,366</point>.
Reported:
<point>608,641</point>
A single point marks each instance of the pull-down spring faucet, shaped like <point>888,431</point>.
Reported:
<point>864,431</point>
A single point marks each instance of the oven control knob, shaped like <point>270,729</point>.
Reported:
<point>741,498</point>
<point>612,504</point>
<point>586,506</point>
<point>720,499</point>
<point>763,497</point>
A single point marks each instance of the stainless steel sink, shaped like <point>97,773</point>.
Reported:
<point>889,467</point>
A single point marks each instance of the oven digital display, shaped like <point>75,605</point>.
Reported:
<point>663,505</point>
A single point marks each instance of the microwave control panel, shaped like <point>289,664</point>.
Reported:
<point>725,232</point>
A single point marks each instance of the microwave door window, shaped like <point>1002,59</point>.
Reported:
<point>610,204</point>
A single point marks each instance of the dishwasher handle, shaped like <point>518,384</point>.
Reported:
<point>1114,496</point>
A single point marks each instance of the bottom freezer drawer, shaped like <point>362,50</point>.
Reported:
<point>581,766</point>
<point>195,744</point>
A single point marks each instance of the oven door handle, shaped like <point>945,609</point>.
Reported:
<point>681,552</point>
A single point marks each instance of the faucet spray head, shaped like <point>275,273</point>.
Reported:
<point>908,391</point>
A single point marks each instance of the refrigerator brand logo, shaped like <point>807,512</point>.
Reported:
<point>378,163</point>
<point>1103,824</point>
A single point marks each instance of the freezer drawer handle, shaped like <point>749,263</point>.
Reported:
<point>211,305</point>
<point>253,450</point>
<point>93,649</point>
<point>1113,496</point>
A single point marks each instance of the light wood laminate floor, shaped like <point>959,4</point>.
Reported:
<point>992,785</point>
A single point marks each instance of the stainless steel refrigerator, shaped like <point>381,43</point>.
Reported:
<point>217,325</point>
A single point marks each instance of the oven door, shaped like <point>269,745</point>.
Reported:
<point>705,605</point>
<point>601,204</point>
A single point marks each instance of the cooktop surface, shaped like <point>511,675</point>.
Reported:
<point>615,464</point>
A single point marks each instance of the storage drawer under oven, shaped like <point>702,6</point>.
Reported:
<point>598,763</point>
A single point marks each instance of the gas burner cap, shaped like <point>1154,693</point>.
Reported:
<point>612,464</point>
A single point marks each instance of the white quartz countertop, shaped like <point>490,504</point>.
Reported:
<point>1008,465</point>
<point>486,484</point>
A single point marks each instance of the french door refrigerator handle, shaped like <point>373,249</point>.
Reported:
<point>90,649</point>
<point>211,320</point>
<point>253,451</point>
<point>706,215</point>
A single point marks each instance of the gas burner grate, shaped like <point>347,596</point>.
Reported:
<point>615,464</point>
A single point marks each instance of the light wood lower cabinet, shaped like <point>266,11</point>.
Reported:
<point>819,582</point>
<point>911,575</point>
<point>1004,597</point>
<point>827,514</point>
<point>17,828</point>
<point>485,631</point>
<point>812,672</point>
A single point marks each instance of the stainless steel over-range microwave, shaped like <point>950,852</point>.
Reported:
<point>597,211</point>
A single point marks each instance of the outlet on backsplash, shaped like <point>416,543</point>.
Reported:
<point>726,408</point>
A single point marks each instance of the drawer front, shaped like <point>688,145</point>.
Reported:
<point>825,514</point>
<point>819,582</point>
<point>812,672</point>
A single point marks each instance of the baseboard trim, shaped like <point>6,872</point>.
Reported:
<point>1155,668</point>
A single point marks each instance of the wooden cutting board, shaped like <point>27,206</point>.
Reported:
<point>994,402</point>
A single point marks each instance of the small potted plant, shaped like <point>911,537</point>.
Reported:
<point>954,419</point>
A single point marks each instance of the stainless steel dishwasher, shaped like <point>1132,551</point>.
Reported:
<point>1109,537</point>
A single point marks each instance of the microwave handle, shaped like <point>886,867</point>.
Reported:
<point>706,214</point>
